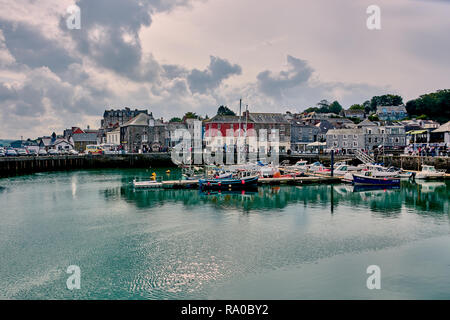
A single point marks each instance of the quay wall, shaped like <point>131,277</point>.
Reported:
<point>11,166</point>
<point>415,162</point>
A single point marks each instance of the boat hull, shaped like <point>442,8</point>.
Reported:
<point>228,184</point>
<point>371,181</point>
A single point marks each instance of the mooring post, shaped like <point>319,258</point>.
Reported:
<point>332,163</point>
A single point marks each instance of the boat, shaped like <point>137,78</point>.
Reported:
<point>430,172</point>
<point>147,184</point>
<point>229,184</point>
<point>368,180</point>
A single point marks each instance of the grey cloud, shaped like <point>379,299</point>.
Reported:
<point>117,24</point>
<point>30,47</point>
<point>272,85</point>
<point>211,78</point>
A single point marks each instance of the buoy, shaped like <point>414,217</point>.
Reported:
<point>243,181</point>
<point>168,171</point>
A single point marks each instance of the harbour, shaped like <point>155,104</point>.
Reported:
<point>286,241</point>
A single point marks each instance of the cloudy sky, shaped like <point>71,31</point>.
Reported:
<point>173,56</point>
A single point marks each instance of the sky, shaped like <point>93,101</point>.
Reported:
<point>174,56</point>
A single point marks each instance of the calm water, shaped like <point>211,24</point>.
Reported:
<point>287,242</point>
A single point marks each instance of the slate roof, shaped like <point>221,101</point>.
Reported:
<point>444,128</point>
<point>84,137</point>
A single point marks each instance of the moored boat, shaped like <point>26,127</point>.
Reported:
<point>229,184</point>
<point>368,180</point>
<point>430,172</point>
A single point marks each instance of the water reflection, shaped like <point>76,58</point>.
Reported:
<point>424,197</point>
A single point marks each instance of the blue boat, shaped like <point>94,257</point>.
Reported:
<point>367,180</point>
<point>229,184</point>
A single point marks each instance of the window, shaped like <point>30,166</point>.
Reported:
<point>345,136</point>
<point>355,136</point>
<point>345,144</point>
<point>355,144</point>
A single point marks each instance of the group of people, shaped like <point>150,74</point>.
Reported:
<point>427,150</point>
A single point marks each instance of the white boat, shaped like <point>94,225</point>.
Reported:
<point>341,170</point>
<point>147,184</point>
<point>382,172</point>
<point>300,166</point>
<point>430,172</point>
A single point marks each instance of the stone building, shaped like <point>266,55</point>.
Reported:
<point>302,135</point>
<point>115,118</point>
<point>143,134</point>
<point>345,139</point>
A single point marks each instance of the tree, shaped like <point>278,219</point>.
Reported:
<point>385,100</point>
<point>225,111</point>
<point>357,107</point>
<point>435,106</point>
<point>175,119</point>
<point>335,107</point>
<point>191,115</point>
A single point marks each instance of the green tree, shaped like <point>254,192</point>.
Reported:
<point>191,115</point>
<point>385,100</point>
<point>357,107</point>
<point>175,119</point>
<point>335,107</point>
<point>435,106</point>
<point>225,111</point>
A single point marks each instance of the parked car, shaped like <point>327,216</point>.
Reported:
<point>2,153</point>
<point>21,152</point>
<point>42,152</point>
<point>11,153</point>
<point>32,152</point>
<point>53,152</point>
<point>73,152</point>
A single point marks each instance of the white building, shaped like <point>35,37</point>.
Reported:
<point>113,137</point>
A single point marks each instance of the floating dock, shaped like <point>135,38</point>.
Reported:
<point>187,184</point>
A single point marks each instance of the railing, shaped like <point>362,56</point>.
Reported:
<point>363,157</point>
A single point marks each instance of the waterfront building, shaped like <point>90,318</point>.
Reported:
<point>171,129</point>
<point>345,140</point>
<point>81,140</point>
<point>442,134</point>
<point>390,136</point>
<point>143,134</point>
<point>113,137</point>
<point>391,113</point>
<point>302,135</point>
<point>250,124</point>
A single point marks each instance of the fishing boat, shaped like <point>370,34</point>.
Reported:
<point>229,184</point>
<point>368,180</point>
<point>430,172</point>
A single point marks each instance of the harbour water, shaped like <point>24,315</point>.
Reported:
<point>284,242</point>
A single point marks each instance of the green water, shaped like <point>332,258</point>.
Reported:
<point>289,242</point>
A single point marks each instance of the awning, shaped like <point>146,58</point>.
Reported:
<point>316,144</point>
<point>416,132</point>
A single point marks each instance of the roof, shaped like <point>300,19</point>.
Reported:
<point>444,128</point>
<point>226,119</point>
<point>355,111</point>
<point>344,131</point>
<point>391,108</point>
<point>84,137</point>
<point>366,123</point>
<point>267,117</point>
<point>141,119</point>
